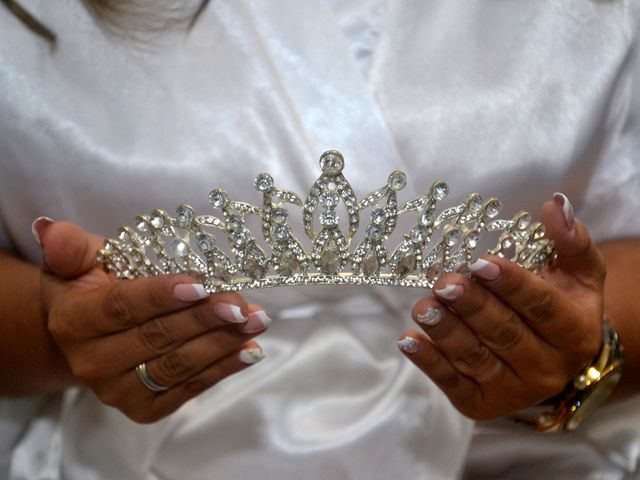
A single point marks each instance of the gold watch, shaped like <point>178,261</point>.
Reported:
<point>581,397</point>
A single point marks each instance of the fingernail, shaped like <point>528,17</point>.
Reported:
<point>431,317</point>
<point>229,313</point>
<point>450,292</point>
<point>38,227</point>
<point>567,209</point>
<point>257,321</point>
<point>408,345</point>
<point>484,269</point>
<point>189,292</point>
<point>250,356</point>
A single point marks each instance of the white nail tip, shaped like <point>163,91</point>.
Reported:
<point>479,264</point>
<point>431,317</point>
<point>33,229</point>
<point>250,356</point>
<point>263,317</point>
<point>237,314</point>
<point>200,291</point>
<point>408,344</point>
<point>446,291</point>
<point>566,207</point>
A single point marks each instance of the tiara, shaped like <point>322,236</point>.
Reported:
<point>227,255</point>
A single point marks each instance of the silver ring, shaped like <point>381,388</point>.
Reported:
<point>147,381</point>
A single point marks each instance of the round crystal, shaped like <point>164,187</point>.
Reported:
<point>124,235</point>
<point>281,231</point>
<point>538,233</point>
<point>523,220</point>
<point>179,248</point>
<point>426,217</point>
<point>263,182</point>
<point>378,215</point>
<point>329,218</point>
<point>279,215</point>
<point>374,232</point>
<point>439,190</point>
<point>397,180</point>
<point>184,215</point>
<point>141,224</point>
<point>418,234</point>
<point>157,220</point>
<point>240,237</point>
<point>329,200</point>
<point>474,202</point>
<point>332,186</point>
<point>205,242</point>
<point>493,208</point>
<point>331,162</point>
<point>234,222</point>
<point>508,242</point>
<point>472,238</point>
<point>354,218</point>
<point>218,198</point>
<point>452,237</point>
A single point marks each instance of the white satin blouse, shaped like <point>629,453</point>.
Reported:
<point>515,99</point>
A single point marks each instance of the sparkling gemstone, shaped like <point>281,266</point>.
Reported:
<point>508,242</point>
<point>329,199</point>
<point>252,268</point>
<point>330,260</point>
<point>157,220</point>
<point>280,231</point>
<point>205,242</point>
<point>240,237</point>
<point>434,272</point>
<point>220,272</point>
<point>332,186</point>
<point>493,208</point>
<point>374,232</point>
<point>474,202</point>
<point>426,217</point>
<point>472,238</point>
<point>218,198</point>
<point>370,264</point>
<point>406,265</point>
<point>440,190</point>
<point>418,234</point>
<point>179,248</point>
<point>124,235</point>
<point>279,215</point>
<point>234,222</point>
<point>288,263</point>
<point>141,224</point>
<point>331,162</point>
<point>523,220</point>
<point>354,218</point>
<point>184,215</point>
<point>329,218</point>
<point>538,233</point>
<point>378,215</point>
<point>452,237</point>
<point>397,180</point>
<point>263,182</point>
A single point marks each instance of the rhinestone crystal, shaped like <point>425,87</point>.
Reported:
<point>179,248</point>
<point>218,198</point>
<point>184,215</point>
<point>329,199</point>
<point>263,182</point>
<point>329,218</point>
<point>493,208</point>
<point>374,232</point>
<point>397,180</point>
<point>440,190</point>
<point>331,162</point>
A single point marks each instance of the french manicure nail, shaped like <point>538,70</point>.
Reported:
<point>229,313</point>
<point>38,226</point>
<point>249,356</point>
<point>189,292</point>
<point>257,321</point>
<point>484,269</point>
<point>450,292</point>
<point>408,345</point>
<point>567,209</point>
<point>431,317</point>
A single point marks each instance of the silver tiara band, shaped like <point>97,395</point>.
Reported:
<point>227,255</point>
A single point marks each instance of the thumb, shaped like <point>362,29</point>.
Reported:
<point>68,250</point>
<point>577,252</point>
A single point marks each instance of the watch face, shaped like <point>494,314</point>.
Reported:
<point>592,399</point>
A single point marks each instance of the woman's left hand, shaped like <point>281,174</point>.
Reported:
<point>507,339</point>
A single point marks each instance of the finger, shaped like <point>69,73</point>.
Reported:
<point>68,250</point>
<point>460,389</point>
<point>126,304</point>
<point>545,309</point>
<point>577,252</point>
<point>462,347</point>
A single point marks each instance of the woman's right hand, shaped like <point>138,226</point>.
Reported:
<point>106,327</point>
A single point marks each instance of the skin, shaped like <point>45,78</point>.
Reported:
<point>502,345</point>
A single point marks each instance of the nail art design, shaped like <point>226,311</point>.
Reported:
<point>449,292</point>
<point>567,209</point>
<point>484,269</point>
<point>431,317</point>
<point>408,345</point>
<point>257,322</point>
<point>249,356</point>
<point>229,313</point>
<point>36,227</point>
<point>189,292</point>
